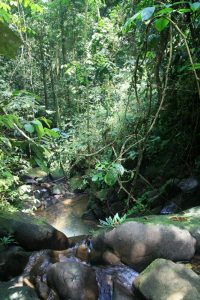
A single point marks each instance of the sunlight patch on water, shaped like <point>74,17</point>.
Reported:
<point>66,216</point>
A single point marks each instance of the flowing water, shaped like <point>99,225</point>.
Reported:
<point>65,216</point>
<point>108,277</point>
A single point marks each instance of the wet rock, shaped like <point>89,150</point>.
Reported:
<point>69,194</point>
<point>12,262</point>
<point>56,198</point>
<point>73,280</point>
<point>166,280</point>
<point>58,189</point>
<point>28,180</point>
<point>36,270</point>
<point>189,192</point>
<point>32,233</point>
<point>9,291</point>
<point>188,185</point>
<point>38,194</point>
<point>46,185</point>
<point>41,193</point>
<point>137,244</point>
<point>35,173</point>
<point>170,208</point>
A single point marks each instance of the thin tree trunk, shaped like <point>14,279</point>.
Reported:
<point>97,8</point>
<point>55,99</point>
<point>87,83</point>
<point>43,71</point>
<point>62,30</point>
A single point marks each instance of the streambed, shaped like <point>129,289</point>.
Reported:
<point>65,215</point>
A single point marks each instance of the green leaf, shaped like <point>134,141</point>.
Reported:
<point>7,120</point>
<point>39,128</point>
<point>36,8</point>
<point>95,178</point>
<point>195,66</point>
<point>147,12</point>
<point>26,3</point>
<point>161,24</point>
<point>5,141</point>
<point>111,177</point>
<point>41,164</point>
<point>10,42</point>
<point>46,121</point>
<point>119,168</point>
<point>29,128</point>
<point>183,10</point>
<point>130,22</point>
<point>51,133</point>
<point>195,6</point>
<point>37,150</point>
<point>164,11</point>
<point>4,6</point>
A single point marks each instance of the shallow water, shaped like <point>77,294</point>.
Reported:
<point>66,214</point>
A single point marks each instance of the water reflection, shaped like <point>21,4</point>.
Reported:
<point>66,214</point>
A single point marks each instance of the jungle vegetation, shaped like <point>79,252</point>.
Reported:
<point>104,91</point>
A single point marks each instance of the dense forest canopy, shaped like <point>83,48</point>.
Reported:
<point>103,92</point>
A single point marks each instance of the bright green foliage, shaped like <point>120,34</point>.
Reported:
<point>103,90</point>
<point>161,23</point>
<point>10,41</point>
<point>110,222</point>
<point>7,240</point>
<point>107,173</point>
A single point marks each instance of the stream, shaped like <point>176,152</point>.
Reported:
<point>76,271</point>
<point>65,216</point>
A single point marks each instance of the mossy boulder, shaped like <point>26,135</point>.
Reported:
<point>166,280</point>
<point>188,219</point>
<point>137,244</point>
<point>31,233</point>
<point>36,173</point>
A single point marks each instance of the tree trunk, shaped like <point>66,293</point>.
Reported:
<point>55,99</point>
<point>43,71</point>
<point>62,30</point>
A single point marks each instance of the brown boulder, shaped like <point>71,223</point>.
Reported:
<point>73,280</point>
<point>137,244</point>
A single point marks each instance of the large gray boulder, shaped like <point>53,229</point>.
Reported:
<point>193,217</point>
<point>164,280</point>
<point>31,233</point>
<point>137,244</point>
<point>73,280</point>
